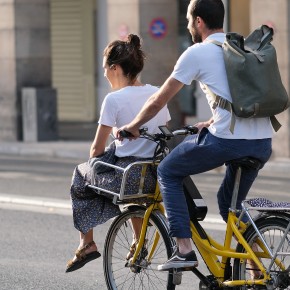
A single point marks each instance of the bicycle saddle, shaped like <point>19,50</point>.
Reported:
<point>246,163</point>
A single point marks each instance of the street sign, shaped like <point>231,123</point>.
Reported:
<point>158,28</point>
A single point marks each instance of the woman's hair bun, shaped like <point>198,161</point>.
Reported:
<point>134,40</point>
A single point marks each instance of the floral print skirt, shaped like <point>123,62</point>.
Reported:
<point>90,208</point>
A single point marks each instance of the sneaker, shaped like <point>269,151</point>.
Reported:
<point>178,261</point>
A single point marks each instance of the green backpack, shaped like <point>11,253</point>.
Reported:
<point>254,78</point>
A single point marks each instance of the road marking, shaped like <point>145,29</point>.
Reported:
<point>37,209</point>
<point>60,206</point>
<point>35,201</point>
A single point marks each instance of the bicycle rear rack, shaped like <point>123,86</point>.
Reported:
<point>121,196</point>
<point>245,211</point>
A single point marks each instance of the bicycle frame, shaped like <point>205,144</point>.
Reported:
<point>149,210</point>
<point>210,250</point>
<point>214,254</point>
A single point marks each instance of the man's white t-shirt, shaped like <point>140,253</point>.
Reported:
<point>120,107</point>
<point>204,62</point>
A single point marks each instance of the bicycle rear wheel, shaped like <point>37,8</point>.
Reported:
<point>272,230</point>
<point>119,274</point>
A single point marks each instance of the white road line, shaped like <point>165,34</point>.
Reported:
<point>10,201</point>
<point>34,201</point>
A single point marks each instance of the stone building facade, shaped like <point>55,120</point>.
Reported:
<point>59,44</point>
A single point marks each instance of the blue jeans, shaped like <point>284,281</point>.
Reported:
<point>201,153</point>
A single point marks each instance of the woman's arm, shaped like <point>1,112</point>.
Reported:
<point>99,143</point>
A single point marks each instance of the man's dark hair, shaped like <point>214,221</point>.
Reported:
<point>212,12</point>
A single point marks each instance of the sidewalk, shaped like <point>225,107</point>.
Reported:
<point>80,150</point>
<point>63,149</point>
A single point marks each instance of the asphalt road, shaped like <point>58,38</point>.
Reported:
<point>37,241</point>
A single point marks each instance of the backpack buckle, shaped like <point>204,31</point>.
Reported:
<point>220,102</point>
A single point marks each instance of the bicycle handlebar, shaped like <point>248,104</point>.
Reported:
<point>164,135</point>
<point>127,134</point>
<point>161,138</point>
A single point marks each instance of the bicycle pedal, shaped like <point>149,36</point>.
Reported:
<point>177,270</point>
<point>177,277</point>
<point>186,269</point>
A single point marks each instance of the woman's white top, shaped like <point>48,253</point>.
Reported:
<point>120,107</point>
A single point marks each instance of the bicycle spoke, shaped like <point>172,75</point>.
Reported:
<point>143,274</point>
<point>272,231</point>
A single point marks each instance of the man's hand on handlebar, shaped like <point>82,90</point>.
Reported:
<point>206,124</point>
<point>127,132</point>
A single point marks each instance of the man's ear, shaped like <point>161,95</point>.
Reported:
<point>199,21</point>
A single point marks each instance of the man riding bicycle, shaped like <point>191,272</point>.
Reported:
<point>215,144</point>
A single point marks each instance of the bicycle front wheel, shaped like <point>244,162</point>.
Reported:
<point>272,229</point>
<point>143,274</point>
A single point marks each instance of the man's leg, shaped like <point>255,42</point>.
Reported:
<point>194,155</point>
<point>226,189</point>
<point>259,149</point>
<point>198,153</point>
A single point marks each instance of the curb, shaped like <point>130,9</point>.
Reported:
<point>73,150</point>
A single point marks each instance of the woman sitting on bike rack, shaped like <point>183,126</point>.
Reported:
<point>123,61</point>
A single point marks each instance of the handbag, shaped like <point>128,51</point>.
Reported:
<point>108,156</point>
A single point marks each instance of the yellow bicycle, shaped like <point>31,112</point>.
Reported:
<point>260,259</point>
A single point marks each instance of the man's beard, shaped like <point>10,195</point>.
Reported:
<point>196,38</point>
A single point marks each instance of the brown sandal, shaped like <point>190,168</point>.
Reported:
<point>82,258</point>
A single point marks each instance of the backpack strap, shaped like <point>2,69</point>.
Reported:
<point>218,43</point>
<point>275,123</point>
<point>218,101</point>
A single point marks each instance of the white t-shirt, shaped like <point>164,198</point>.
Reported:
<point>204,62</point>
<point>120,107</point>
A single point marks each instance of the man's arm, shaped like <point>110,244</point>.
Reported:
<point>154,104</point>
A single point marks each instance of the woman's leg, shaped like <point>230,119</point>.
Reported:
<point>86,239</point>
<point>86,252</point>
<point>137,227</point>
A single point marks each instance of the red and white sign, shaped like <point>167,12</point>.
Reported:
<point>158,28</point>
